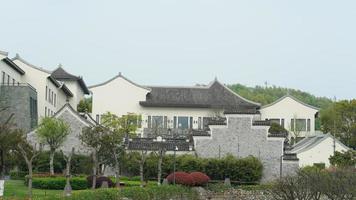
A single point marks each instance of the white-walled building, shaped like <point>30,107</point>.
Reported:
<point>168,107</point>
<point>292,114</point>
<point>317,149</point>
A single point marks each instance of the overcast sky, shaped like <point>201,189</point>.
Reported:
<point>303,44</point>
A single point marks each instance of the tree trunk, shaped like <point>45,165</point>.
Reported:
<point>51,158</point>
<point>95,160</point>
<point>141,174</point>
<point>29,165</point>
<point>159,176</point>
<point>117,171</point>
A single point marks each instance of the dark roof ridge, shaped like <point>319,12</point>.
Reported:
<point>292,97</point>
<point>118,76</point>
<point>61,74</point>
<point>13,65</point>
<point>17,57</point>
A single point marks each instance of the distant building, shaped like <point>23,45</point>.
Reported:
<point>292,114</point>
<point>30,92</point>
<point>317,149</point>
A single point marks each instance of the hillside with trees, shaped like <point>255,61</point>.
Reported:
<point>267,95</point>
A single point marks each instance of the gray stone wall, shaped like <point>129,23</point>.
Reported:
<point>72,140</point>
<point>17,101</point>
<point>241,139</point>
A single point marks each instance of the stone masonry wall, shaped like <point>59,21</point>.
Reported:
<point>241,139</point>
<point>17,101</point>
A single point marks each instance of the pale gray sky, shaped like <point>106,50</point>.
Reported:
<point>305,44</point>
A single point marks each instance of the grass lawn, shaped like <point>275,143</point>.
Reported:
<point>15,189</point>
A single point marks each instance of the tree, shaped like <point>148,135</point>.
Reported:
<point>85,105</point>
<point>340,120</point>
<point>68,159</point>
<point>120,128</point>
<point>29,153</point>
<point>9,138</point>
<point>161,153</point>
<point>52,132</point>
<point>343,159</point>
<point>92,137</point>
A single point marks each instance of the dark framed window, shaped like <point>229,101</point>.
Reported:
<point>276,121</point>
<point>46,92</point>
<point>3,77</point>
<point>165,122</point>
<point>49,95</point>
<point>45,111</point>
<point>55,99</point>
<point>157,121</point>
<point>13,81</point>
<point>183,122</point>
<point>282,123</point>
<point>308,125</point>
<point>8,79</point>
<point>149,124</point>
<point>199,123</point>
<point>191,122</point>
<point>174,122</point>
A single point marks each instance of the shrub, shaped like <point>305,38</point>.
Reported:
<point>137,193</point>
<point>344,159</point>
<point>199,178</point>
<point>58,183</point>
<point>181,178</point>
<point>99,181</point>
<point>18,175</point>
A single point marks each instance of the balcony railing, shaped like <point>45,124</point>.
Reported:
<point>174,132</point>
<point>18,85</point>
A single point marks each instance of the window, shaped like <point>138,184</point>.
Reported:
<point>282,123</point>
<point>298,125</point>
<point>13,81</point>
<point>45,111</point>
<point>55,99</point>
<point>276,121</point>
<point>199,123</point>
<point>165,122</point>
<point>3,77</point>
<point>49,95</point>
<point>174,122</point>
<point>308,125</point>
<point>8,79</point>
<point>46,92</point>
<point>191,122</point>
<point>183,122</point>
<point>157,121</point>
<point>149,122</point>
<point>52,98</point>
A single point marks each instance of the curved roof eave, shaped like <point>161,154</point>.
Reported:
<point>292,97</point>
<point>118,76</point>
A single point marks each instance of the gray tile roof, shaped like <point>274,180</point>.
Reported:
<point>150,144</point>
<point>13,65</point>
<point>216,95</point>
<point>61,74</point>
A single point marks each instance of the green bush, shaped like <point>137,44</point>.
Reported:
<point>137,193</point>
<point>58,183</point>
<point>247,169</point>
<point>18,175</point>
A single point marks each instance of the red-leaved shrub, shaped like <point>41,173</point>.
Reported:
<point>200,179</point>
<point>182,178</point>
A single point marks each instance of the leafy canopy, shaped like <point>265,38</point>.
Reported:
<point>53,132</point>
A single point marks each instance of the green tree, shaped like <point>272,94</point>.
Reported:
<point>85,105</point>
<point>94,137</point>
<point>52,132</point>
<point>343,159</point>
<point>340,120</point>
<point>120,127</point>
<point>10,136</point>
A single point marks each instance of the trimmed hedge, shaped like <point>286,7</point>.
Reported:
<point>181,178</point>
<point>58,183</point>
<point>245,170</point>
<point>137,193</point>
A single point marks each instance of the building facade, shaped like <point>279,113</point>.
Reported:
<point>31,92</point>
<point>292,114</point>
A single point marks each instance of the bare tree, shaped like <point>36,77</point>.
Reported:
<point>161,153</point>
<point>143,156</point>
<point>29,153</point>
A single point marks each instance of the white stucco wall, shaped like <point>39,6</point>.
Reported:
<point>38,79</point>
<point>118,96</point>
<point>288,109</point>
<point>320,153</point>
<point>9,71</point>
<point>78,93</point>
